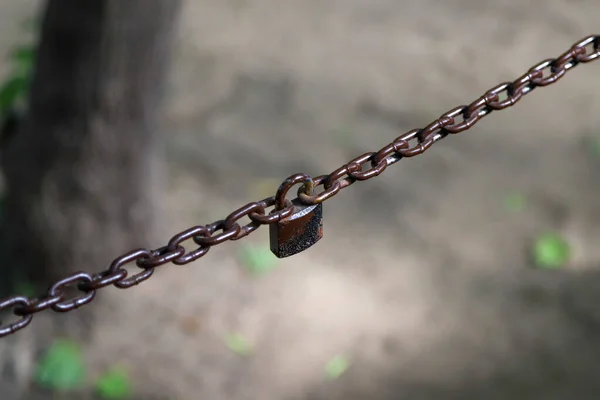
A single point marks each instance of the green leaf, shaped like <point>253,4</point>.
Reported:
<point>258,260</point>
<point>26,289</point>
<point>114,384</point>
<point>11,90</point>
<point>239,344</point>
<point>515,202</point>
<point>550,251</point>
<point>62,367</point>
<point>336,367</point>
<point>24,57</point>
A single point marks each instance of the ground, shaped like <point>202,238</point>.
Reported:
<point>423,276</point>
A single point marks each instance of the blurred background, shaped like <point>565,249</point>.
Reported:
<point>471,271</point>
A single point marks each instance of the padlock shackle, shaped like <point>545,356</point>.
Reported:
<point>285,187</point>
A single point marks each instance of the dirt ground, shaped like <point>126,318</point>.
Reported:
<point>422,277</point>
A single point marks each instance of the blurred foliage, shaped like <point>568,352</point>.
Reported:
<point>257,260</point>
<point>239,344</point>
<point>15,86</point>
<point>114,384</point>
<point>551,251</point>
<point>62,367</point>
<point>25,288</point>
<point>336,367</point>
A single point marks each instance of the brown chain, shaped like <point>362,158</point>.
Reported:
<point>410,144</point>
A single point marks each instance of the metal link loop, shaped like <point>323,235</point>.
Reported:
<point>469,119</point>
<point>421,146</point>
<point>103,279</point>
<point>434,128</point>
<point>568,59</point>
<point>161,256</point>
<point>336,176</point>
<point>409,144</point>
<point>227,234</point>
<point>356,171</point>
<point>512,96</point>
<point>38,305</point>
<point>554,76</point>
<point>480,107</point>
<point>182,237</point>
<point>392,153</point>
<point>320,197</point>
<point>593,40</point>
<point>524,84</point>
<point>24,320</point>
<point>76,279</point>
<point>136,279</point>
<point>240,213</point>
<point>275,215</point>
<point>308,185</point>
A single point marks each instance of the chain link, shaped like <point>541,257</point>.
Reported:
<point>364,167</point>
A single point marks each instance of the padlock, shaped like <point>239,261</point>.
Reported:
<point>303,228</point>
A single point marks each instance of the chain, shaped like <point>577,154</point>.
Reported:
<point>205,237</point>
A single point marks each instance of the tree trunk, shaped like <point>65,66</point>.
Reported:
<point>83,170</point>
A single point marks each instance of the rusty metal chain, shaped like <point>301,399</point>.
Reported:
<point>204,237</point>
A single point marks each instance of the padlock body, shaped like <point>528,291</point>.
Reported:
<point>299,231</point>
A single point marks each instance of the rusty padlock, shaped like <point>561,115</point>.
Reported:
<point>303,228</point>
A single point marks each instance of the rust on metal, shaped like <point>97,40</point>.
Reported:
<point>301,230</point>
<point>298,222</point>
